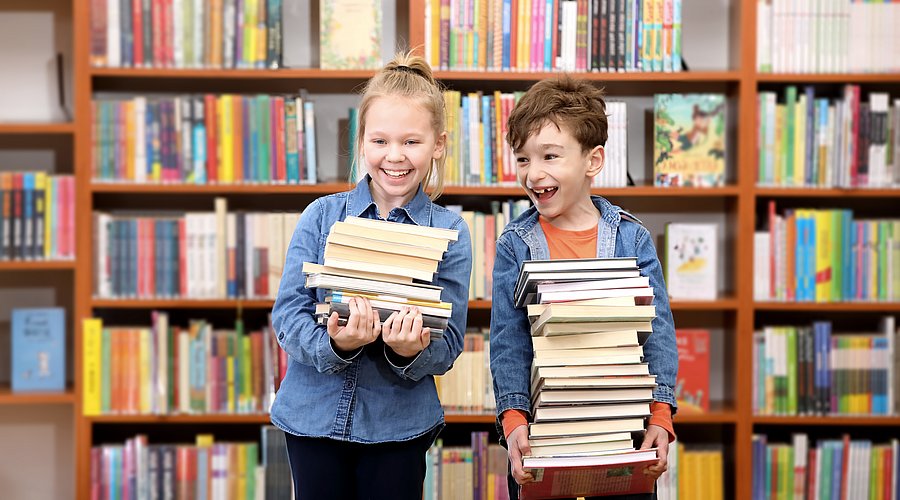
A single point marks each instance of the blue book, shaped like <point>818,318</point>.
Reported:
<point>38,349</point>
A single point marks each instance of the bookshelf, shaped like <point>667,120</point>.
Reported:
<point>736,313</point>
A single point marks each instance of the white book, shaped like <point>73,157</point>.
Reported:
<point>691,261</point>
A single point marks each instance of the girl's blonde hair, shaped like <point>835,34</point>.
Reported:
<point>407,76</point>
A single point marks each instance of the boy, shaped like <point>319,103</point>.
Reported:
<point>557,132</point>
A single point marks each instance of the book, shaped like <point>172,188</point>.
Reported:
<point>691,261</point>
<point>587,340</point>
<point>313,268</point>
<point>380,245</point>
<point>616,381</point>
<point>410,229</point>
<point>538,450</point>
<point>350,33</point>
<point>578,396</point>
<point>585,412</point>
<point>38,349</point>
<point>587,476</point>
<point>562,313</point>
<point>324,310</point>
<point>589,371</point>
<point>692,384</point>
<point>553,329</point>
<point>412,291</point>
<point>689,146</point>
<point>587,438</point>
<point>417,235</point>
<point>640,295</point>
<point>534,272</point>
<point>578,427</point>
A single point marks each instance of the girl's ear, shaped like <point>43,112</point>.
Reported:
<point>596,158</point>
<point>440,144</point>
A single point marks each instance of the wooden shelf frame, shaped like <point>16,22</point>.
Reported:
<point>8,397</point>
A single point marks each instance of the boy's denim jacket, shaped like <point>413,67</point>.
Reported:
<point>619,235</point>
<point>366,398</point>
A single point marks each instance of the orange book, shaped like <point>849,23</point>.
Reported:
<point>692,384</point>
<point>237,138</point>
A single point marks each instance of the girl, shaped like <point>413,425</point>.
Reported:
<point>358,403</point>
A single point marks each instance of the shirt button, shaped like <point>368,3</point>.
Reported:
<point>281,336</point>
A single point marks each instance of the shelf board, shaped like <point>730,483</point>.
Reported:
<point>805,78</point>
<point>335,187</point>
<point>36,265</point>
<point>811,192</point>
<point>721,304</point>
<point>713,417</point>
<point>7,397</point>
<point>684,76</point>
<point>243,74</point>
<point>469,418</point>
<point>213,418</point>
<point>861,421</point>
<point>882,307</point>
<point>479,305</point>
<point>37,128</point>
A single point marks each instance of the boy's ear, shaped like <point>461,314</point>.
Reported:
<point>439,145</point>
<point>596,157</point>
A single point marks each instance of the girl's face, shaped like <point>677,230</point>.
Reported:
<point>399,145</point>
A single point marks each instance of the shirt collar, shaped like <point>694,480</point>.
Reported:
<point>359,201</point>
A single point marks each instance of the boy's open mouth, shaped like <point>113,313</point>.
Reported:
<point>543,194</point>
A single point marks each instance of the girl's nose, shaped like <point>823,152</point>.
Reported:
<point>395,155</point>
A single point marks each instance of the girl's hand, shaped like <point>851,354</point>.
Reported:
<point>403,332</point>
<point>657,437</point>
<point>518,448</point>
<point>362,326</point>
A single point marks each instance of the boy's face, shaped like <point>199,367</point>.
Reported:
<point>557,174</point>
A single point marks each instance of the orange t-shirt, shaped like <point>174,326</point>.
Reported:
<point>564,244</point>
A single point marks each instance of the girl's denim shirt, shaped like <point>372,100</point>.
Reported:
<point>619,235</point>
<point>366,398</point>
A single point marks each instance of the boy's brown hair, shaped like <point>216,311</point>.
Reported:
<point>564,101</point>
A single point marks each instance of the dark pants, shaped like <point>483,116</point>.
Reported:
<point>328,469</point>
<point>514,491</point>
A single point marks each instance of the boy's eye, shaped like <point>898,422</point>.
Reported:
<point>551,156</point>
<point>522,159</point>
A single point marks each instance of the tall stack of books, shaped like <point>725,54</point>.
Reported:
<point>382,261</point>
<point>590,388</point>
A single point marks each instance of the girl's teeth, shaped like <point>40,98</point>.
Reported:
<point>395,173</point>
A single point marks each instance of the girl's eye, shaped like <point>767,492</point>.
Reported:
<point>412,141</point>
<point>378,141</point>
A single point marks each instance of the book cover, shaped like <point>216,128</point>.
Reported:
<point>38,349</point>
<point>603,475</point>
<point>350,34</point>
<point>689,144</point>
<point>691,267</point>
<point>692,383</point>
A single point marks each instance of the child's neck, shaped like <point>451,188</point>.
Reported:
<point>578,218</point>
<point>385,203</point>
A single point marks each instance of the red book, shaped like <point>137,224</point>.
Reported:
<point>212,138</point>
<point>586,476</point>
<point>692,384</point>
<point>137,26</point>
<point>278,122</point>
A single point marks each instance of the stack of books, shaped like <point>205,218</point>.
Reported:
<point>590,388</point>
<point>382,261</point>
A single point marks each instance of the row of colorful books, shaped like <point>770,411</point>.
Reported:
<point>37,216</point>
<point>809,370</point>
<point>205,139</point>
<point>186,34</point>
<point>167,369</point>
<point>567,35</point>
<point>477,471</point>
<point>830,468</point>
<point>816,141</point>
<point>206,469</point>
<point>194,255</point>
<point>840,36</point>
<point>820,255</point>
<point>466,388</point>
<point>692,473</point>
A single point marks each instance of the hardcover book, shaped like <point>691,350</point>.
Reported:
<point>692,384</point>
<point>689,143</point>
<point>38,349</point>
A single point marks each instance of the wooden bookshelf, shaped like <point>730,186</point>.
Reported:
<point>742,83</point>
<point>7,397</point>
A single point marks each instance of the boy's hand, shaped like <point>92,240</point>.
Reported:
<point>403,332</point>
<point>362,326</point>
<point>518,448</point>
<point>657,437</point>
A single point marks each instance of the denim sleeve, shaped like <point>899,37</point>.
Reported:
<point>511,351</point>
<point>293,314</point>
<point>660,351</point>
<point>453,276</point>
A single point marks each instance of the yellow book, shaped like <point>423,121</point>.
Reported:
<point>251,7</point>
<point>823,255</point>
<point>241,491</point>
<point>229,370</point>
<point>92,369</point>
<point>225,116</point>
<point>129,140</point>
<point>522,34</point>
<point>144,393</point>
<point>204,440</point>
<point>435,47</point>
<point>778,167</point>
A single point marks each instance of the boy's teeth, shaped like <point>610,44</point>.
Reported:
<point>544,190</point>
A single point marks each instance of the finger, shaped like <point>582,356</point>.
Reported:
<point>369,312</point>
<point>333,328</point>
<point>647,443</point>
<point>388,327</point>
<point>353,319</point>
<point>397,327</point>
<point>417,329</point>
<point>409,319</point>
<point>376,328</point>
<point>425,339</point>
